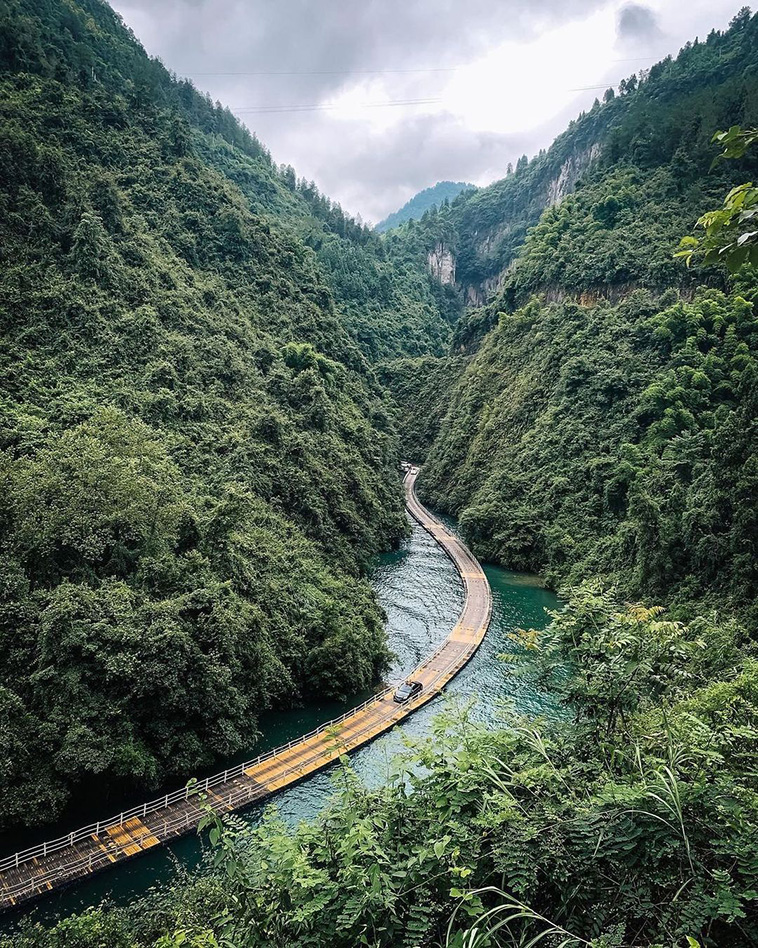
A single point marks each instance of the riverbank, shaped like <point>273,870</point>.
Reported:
<point>419,590</point>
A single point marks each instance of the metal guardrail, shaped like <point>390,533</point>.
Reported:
<point>160,803</point>
<point>180,824</point>
<point>208,783</point>
<point>175,827</point>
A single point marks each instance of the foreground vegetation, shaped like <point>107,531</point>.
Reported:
<point>631,821</point>
<point>198,463</point>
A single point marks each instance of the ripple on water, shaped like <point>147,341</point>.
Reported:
<point>422,596</point>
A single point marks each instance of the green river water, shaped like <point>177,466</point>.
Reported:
<point>422,596</point>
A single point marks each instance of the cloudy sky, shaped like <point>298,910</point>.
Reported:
<point>376,99</point>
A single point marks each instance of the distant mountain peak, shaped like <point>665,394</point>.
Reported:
<point>414,209</point>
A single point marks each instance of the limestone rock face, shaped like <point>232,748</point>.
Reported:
<point>477,295</point>
<point>571,171</point>
<point>548,188</point>
<point>441,263</point>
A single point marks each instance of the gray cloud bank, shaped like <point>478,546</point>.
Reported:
<point>254,54</point>
<point>329,36</point>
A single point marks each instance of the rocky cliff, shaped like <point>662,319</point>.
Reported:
<point>441,263</point>
<point>490,224</point>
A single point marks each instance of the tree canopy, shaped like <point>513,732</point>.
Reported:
<point>197,461</point>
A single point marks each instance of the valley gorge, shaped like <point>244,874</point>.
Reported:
<point>210,376</point>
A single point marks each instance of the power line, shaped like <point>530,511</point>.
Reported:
<point>318,107</point>
<point>331,72</point>
<point>370,72</point>
<point>272,109</point>
<point>267,109</point>
<point>605,85</point>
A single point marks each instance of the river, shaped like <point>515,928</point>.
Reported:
<point>421,593</point>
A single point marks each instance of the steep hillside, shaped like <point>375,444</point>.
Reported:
<point>422,387</point>
<point>87,44</point>
<point>607,423</point>
<point>413,210</point>
<point>662,119</point>
<point>597,420</point>
<point>196,461</point>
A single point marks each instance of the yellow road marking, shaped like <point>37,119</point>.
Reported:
<point>313,753</point>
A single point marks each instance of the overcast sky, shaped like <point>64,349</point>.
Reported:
<point>376,99</point>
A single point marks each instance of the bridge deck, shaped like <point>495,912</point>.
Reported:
<point>42,868</point>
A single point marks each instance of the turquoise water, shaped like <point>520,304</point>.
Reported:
<point>422,595</point>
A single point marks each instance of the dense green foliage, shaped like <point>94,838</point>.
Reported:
<point>640,163</point>
<point>391,305</point>
<point>196,459</point>
<point>617,437</point>
<point>440,193</point>
<point>629,822</point>
<point>198,463</point>
<point>421,388</point>
<point>731,236</point>
<point>85,47</point>
<point>613,440</point>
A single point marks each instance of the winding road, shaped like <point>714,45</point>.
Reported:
<point>38,870</point>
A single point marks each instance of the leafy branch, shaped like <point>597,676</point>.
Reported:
<point>731,231</point>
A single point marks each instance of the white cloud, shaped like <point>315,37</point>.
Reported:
<point>517,86</point>
<point>487,81</point>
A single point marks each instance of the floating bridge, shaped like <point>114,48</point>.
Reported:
<point>38,870</point>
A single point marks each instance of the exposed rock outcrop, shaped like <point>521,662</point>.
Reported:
<point>441,263</point>
<point>571,170</point>
<point>492,264</point>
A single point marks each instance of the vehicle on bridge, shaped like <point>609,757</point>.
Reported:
<point>408,690</point>
<point>45,866</point>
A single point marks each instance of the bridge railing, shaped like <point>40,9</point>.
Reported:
<point>176,826</point>
<point>219,779</point>
<point>184,793</point>
<point>168,799</point>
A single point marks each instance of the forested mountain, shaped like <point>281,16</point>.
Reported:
<point>606,424</point>
<point>205,367</point>
<point>196,459</point>
<point>662,119</point>
<point>435,196</point>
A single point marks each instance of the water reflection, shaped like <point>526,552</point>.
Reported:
<point>421,593</point>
